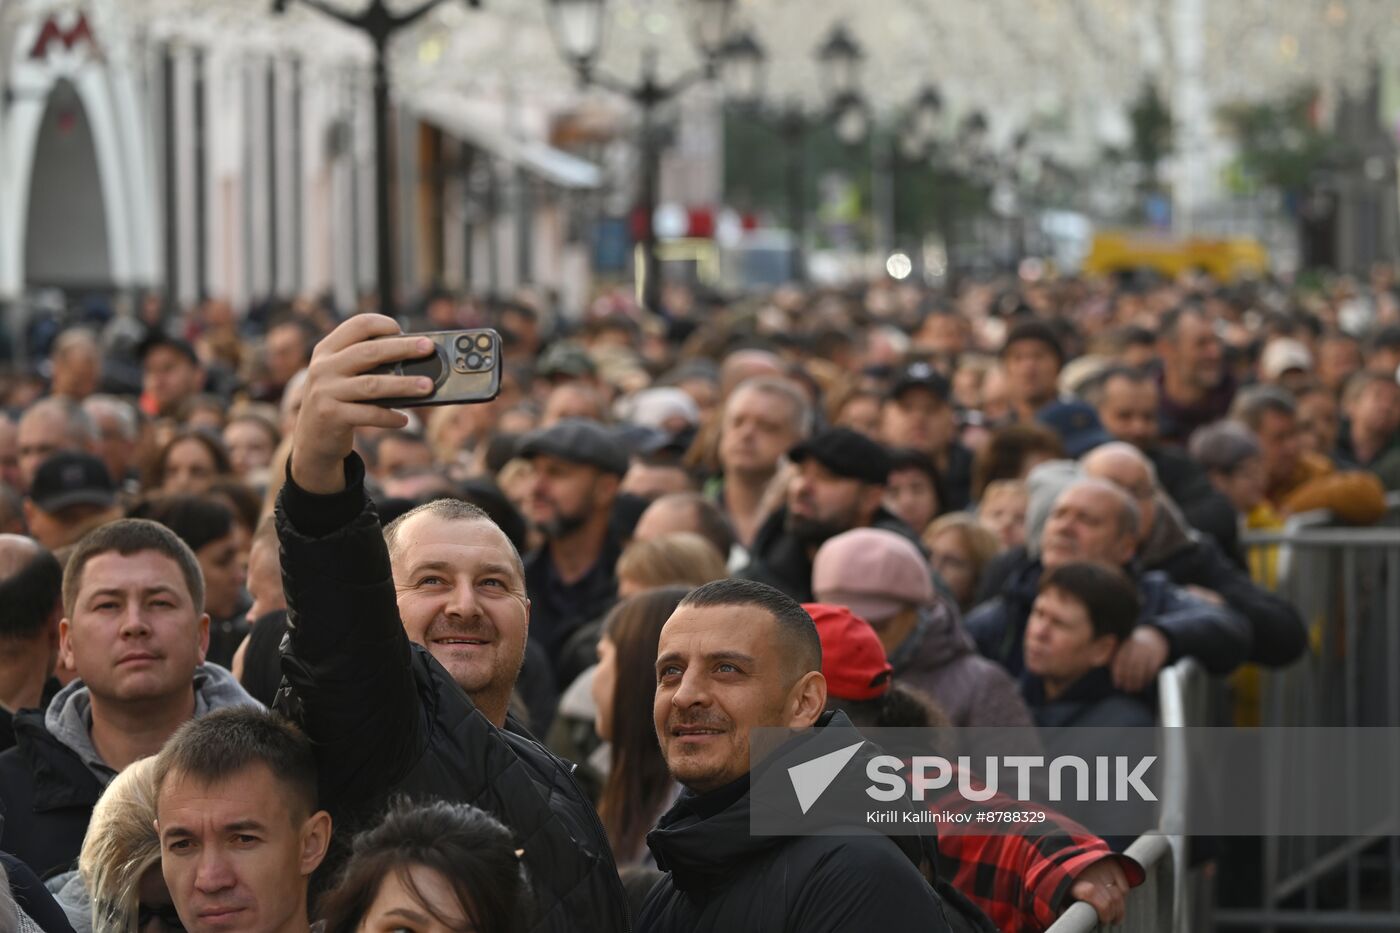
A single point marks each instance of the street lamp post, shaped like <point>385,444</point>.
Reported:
<point>913,150</point>
<point>578,32</point>
<point>743,61</point>
<point>380,25</point>
<point>910,148</point>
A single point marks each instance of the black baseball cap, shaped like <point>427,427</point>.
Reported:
<point>846,453</point>
<point>70,478</point>
<point>578,441</point>
<point>160,338</point>
<point>920,376</point>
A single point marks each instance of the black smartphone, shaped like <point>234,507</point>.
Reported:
<point>465,367</point>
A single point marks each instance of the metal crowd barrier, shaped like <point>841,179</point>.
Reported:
<point>1163,901</point>
<point>1151,905</point>
<point>1345,582</point>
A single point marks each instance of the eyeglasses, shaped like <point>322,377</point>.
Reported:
<point>168,916</point>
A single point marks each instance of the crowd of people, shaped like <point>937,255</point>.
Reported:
<point>275,656</point>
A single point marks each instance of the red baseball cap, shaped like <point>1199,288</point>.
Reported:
<point>853,660</point>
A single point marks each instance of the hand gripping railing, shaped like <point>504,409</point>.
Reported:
<point>1162,901</point>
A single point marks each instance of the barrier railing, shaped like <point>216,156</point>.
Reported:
<point>1151,905</point>
<point>1345,582</point>
<point>1163,900</point>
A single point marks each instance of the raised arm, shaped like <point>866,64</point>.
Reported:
<point>347,660</point>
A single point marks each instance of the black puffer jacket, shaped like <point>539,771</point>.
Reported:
<point>387,719</point>
<point>1278,636</point>
<point>721,877</point>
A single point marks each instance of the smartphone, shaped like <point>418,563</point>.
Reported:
<point>465,367</point>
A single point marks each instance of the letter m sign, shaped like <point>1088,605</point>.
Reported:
<point>52,32</point>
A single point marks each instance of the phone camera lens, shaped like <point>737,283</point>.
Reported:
<point>473,360</point>
<point>464,343</point>
<point>483,342</point>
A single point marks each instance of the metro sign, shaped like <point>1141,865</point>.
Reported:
<point>69,38</point>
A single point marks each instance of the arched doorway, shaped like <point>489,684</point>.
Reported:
<point>65,232</point>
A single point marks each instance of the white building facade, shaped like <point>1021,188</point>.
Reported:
<point>183,155</point>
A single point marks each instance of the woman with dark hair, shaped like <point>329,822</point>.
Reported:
<point>638,788</point>
<point>1011,452</point>
<point>189,462</point>
<point>438,867</point>
<point>915,490</point>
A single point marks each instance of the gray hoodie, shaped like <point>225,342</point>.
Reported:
<point>69,715</point>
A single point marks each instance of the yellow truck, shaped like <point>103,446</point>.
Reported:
<point>1225,260</point>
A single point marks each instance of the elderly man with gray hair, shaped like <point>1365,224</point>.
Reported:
<point>118,428</point>
<point>1095,520</point>
<point>49,426</point>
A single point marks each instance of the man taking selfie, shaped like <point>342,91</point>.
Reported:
<point>404,645</point>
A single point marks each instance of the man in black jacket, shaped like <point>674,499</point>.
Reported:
<point>735,656</point>
<point>571,579</point>
<point>839,485</point>
<point>135,632</point>
<point>1194,561</point>
<point>918,413</point>
<point>1128,401</point>
<point>403,646</point>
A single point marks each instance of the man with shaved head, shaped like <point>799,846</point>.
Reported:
<point>735,656</point>
<point>1194,561</point>
<point>743,365</point>
<point>31,583</point>
<point>1096,520</point>
<point>688,511</point>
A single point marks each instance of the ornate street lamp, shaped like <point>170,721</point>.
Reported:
<point>841,58</point>
<point>380,25</point>
<point>577,26</point>
<point>922,125</point>
<point>742,63</point>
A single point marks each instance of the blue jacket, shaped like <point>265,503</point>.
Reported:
<point>1216,636</point>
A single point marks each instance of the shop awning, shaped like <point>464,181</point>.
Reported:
<point>455,117</point>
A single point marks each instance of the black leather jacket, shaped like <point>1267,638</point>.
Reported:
<point>387,719</point>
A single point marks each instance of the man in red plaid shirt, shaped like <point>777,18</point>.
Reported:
<point>1022,883</point>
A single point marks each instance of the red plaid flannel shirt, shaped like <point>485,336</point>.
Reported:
<point>1022,883</point>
